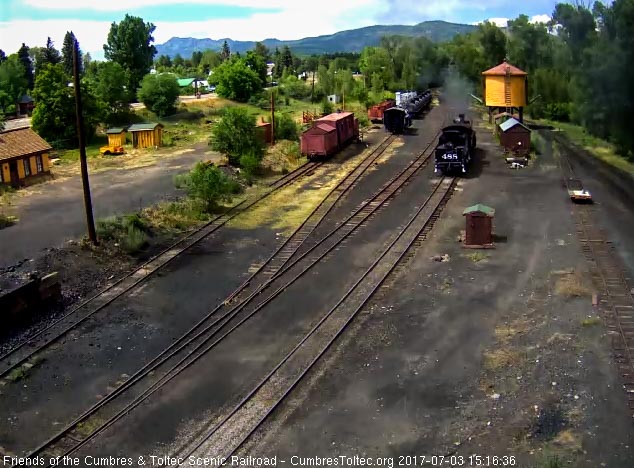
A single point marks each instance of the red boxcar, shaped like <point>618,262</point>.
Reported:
<point>329,134</point>
<point>375,113</point>
<point>320,140</point>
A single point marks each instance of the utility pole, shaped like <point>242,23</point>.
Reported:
<point>90,222</point>
<point>272,117</point>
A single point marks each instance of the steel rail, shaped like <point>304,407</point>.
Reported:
<point>318,325</point>
<point>342,188</point>
<point>144,271</point>
<point>183,364</point>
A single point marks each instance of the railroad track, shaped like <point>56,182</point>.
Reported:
<point>194,345</point>
<point>21,353</point>
<point>224,438</point>
<point>616,302</point>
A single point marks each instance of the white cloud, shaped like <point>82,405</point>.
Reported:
<point>123,5</point>
<point>503,22</point>
<point>295,21</point>
<point>540,19</point>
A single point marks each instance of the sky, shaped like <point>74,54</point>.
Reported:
<point>32,21</point>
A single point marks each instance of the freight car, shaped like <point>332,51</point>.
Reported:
<point>456,146</point>
<point>375,113</point>
<point>396,120</point>
<point>329,134</point>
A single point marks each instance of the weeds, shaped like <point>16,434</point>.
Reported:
<point>130,232</point>
<point>6,220</point>
<point>571,284</point>
<point>477,257</point>
<point>591,322</point>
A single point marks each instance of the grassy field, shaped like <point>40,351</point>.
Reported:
<point>192,124</point>
<point>601,149</point>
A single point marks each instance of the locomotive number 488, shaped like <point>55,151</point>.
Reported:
<point>450,156</point>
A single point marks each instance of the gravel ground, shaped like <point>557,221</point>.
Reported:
<point>491,353</point>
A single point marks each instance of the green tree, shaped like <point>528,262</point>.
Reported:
<point>27,64</point>
<point>54,116</point>
<point>209,185</point>
<point>51,54</point>
<point>130,45</point>
<point>67,52</point>
<point>235,135</point>
<point>164,61</point>
<point>225,52</point>
<point>262,51</point>
<point>178,60</point>
<point>13,83</point>
<point>159,93</point>
<point>256,63</point>
<point>197,56</point>
<point>108,86</point>
<point>236,81</point>
<point>493,41</point>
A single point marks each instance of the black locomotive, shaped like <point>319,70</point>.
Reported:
<point>456,146</point>
<point>408,105</point>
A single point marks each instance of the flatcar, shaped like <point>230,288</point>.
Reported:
<point>375,113</point>
<point>329,134</point>
<point>456,147</point>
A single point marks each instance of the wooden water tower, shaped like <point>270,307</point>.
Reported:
<point>505,89</point>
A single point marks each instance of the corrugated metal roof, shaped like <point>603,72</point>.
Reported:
<point>510,123</point>
<point>183,82</point>
<point>480,208</point>
<point>115,130</point>
<point>335,116</point>
<point>321,129</point>
<point>21,142</point>
<point>25,99</point>
<point>143,126</point>
<point>501,70</point>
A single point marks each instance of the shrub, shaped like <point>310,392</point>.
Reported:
<point>129,231</point>
<point>236,135</point>
<point>286,128</point>
<point>326,106</point>
<point>295,88</point>
<point>250,164</point>
<point>6,221</point>
<point>209,185</point>
<point>159,93</point>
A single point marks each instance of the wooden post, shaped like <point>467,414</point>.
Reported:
<point>272,117</point>
<point>92,235</point>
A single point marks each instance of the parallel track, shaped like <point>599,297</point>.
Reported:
<point>59,328</point>
<point>271,265</point>
<point>195,346</point>
<point>226,437</point>
<point>616,303</point>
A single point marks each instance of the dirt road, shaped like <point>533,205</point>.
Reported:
<point>55,212</point>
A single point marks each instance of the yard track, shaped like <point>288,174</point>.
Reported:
<point>273,264</point>
<point>60,327</point>
<point>225,438</point>
<point>287,265</point>
<point>616,300</point>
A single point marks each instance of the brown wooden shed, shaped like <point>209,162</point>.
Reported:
<point>479,227</point>
<point>515,137</point>
<point>146,135</point>
<point>265,132</point>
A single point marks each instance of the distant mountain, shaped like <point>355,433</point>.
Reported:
<point>353,40</point>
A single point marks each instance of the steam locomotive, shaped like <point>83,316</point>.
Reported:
<point>456,146</point>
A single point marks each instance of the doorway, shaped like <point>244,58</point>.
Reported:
<point>13,171</point>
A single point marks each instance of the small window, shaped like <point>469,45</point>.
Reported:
<point>38,163</point>
<point>27,167</point>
